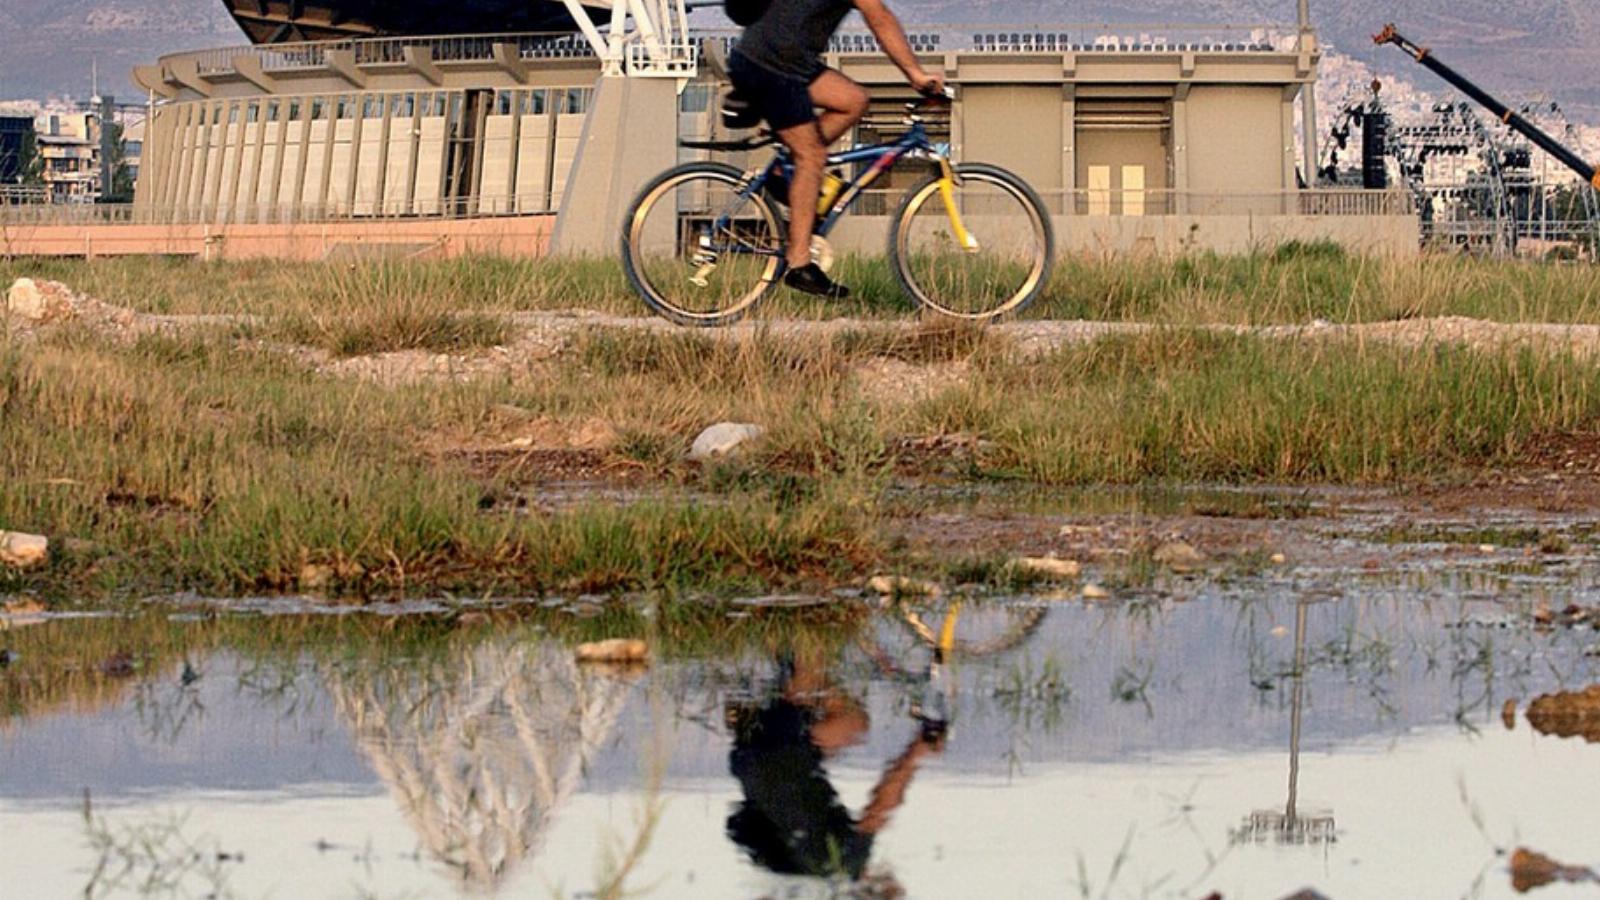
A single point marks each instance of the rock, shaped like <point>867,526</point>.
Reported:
<point>1279,559</point>
<point>23,607</point>
<point>1095,592</point>
<point>1178,556</point>
<point>1049,567</point>
<point>21,551</point>
<point>317,577</point>
<point>898,586</point>
<point>38,301</point>
<point>1568,715</point>
<point>720,440</point>
<point>1530,870</point>
<point>472,618</point>
<point>631,652</point>
<point>1508,714</point>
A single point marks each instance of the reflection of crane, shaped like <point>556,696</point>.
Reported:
<point>1291,824</point>
<point>482,748</point>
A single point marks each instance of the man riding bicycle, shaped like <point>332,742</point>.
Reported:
<point>777,68</point>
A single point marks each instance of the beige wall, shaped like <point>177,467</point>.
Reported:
<point>1018,127</point>
<point>1235,139</point>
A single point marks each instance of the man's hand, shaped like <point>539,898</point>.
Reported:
<point>927,85</point>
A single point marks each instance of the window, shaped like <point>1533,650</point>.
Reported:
<point>502,103</point>
<point>696,98</point>
<point>576,101</point>
<point>252,111</point>
<point>536,103</point>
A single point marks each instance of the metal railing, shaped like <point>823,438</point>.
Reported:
<point>84,214</point>
<point>1079,38</point>
<point>380,51</point>
<point>17,195</point>
<point>1121,204</point>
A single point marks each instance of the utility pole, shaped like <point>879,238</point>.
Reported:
<point>1308,101</point>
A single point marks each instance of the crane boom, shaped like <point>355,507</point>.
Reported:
<point>1510,117</point>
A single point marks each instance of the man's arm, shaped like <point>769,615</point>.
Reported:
<point>892,38</point>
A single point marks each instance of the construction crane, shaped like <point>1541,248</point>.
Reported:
<point>1512,119</point>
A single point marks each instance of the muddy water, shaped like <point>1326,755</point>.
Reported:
<point>1263,735</point>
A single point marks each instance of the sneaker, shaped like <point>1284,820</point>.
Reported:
<point>810,279</point>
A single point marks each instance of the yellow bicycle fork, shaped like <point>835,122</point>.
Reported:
<point>947,192</point>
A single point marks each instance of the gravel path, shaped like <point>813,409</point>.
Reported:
<point>543,336</point>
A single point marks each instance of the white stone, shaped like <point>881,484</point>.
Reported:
<point>35,302</point>
<point>1179,556</point>
<point>22,550</point>
<point>1049,567</point>
<point>896,585</point>
<point>722,439</point>
<point>1095,592</point>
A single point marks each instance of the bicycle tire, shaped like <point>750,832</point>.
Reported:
<point>1029,201</point>
<point>634,224</point>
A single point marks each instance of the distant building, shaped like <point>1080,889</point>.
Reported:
<point>15,137</point>
<point>70,145</point>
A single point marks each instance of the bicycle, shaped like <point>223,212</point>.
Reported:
<point>970,241</point>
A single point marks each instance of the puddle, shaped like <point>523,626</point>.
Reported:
<point>1257,737</point>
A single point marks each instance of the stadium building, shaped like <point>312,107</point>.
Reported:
<point>342,117</point>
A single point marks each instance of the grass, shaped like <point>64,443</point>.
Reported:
<point>1294,284</point>
<point>206,461</point>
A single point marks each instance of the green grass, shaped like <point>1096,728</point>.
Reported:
<point>1295,283</point>
<point>208,462</point>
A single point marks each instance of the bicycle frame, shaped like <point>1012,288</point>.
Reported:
<point>882,158</point>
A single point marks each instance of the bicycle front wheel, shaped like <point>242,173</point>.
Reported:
<point>698,251</point>
<point>979,253</point>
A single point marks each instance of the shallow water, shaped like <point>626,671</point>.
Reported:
<point>1253,738</point>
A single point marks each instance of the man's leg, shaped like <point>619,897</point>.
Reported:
<point>843,103</point>
<point>810,156</point>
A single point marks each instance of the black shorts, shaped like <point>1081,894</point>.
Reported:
<point>783,100</point>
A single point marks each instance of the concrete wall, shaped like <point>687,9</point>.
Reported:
<point>1235,139</point>
<point>1173,235</point>
<point>526,236</point>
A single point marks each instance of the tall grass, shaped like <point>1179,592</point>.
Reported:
<point>200,462</point>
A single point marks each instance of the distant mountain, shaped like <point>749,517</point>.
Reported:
<point>49,47</point>
<point>1516,47</point>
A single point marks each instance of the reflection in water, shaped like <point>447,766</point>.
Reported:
<point>481,748</point>
<point>791,820</point>
<point>1292,825</point>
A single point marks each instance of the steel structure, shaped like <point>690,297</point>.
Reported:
<point>1482,185</point>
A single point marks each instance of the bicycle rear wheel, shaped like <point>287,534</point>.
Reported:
<point>696,250</point>
<point>1000,271</point>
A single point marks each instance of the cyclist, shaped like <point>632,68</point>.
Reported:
<point>777,68</point>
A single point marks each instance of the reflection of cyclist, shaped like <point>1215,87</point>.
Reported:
<point>777,67</point>
<point>792,821</point>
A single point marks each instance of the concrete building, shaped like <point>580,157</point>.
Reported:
<point>16,136</point>
<point>69,143</point>
<point>1161,139</point>
<point>1140,139</point>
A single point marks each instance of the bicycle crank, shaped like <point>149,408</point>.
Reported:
<point>822,253</point>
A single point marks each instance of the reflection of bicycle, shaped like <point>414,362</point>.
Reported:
<point>704,242</point>
<point>967,632</point>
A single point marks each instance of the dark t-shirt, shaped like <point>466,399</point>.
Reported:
<point>791,821</point>
<point>793,34</point>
